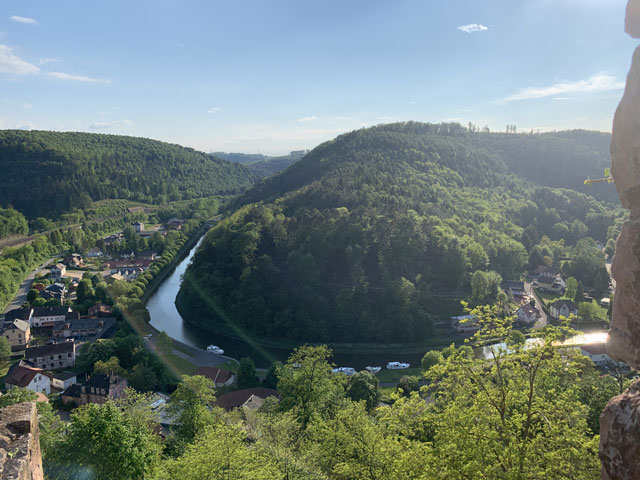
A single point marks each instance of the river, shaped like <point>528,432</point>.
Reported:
<point>165,316</point>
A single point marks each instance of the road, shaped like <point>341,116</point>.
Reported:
<point>543,320</point>
<point>195,355</point>
<point>21,296</point>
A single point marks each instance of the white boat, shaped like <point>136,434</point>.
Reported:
<point>215,349</point>
<point>397,365</point>
<point>346,370</point>
<point>373,370</point>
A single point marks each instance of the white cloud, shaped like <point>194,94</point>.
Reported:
<point>102,125</point>
<point>27,20</point>
<point>472,28</point>
<point>27,106</point>
<point>308,119</point>
<point>594,84</point>
<point>11,63</point>
<point>213,110</point>
<point>76,78</point>
<point>44,61</point>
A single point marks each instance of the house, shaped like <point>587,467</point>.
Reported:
<point>30,378</point>
<point>94,253</point>
<point>563,308</point>
<point>98,389</point>
<point>527,315</point>
<point>605,302</point>
<point>597,352</point>
<point>83,328</point>
<point>48,316</point>
<point>247,397</point>
<point>219,376</point>
<point>18,314</point>
<point>175,224</point>
<point>146,255</point>
<point>115,238</point>
<point>18,332</point>
<point>55,290</point>
<point>114,277</point>
<point>551,283</point>
<point>73,260</point>
<point>138,227</point>
<point>57,271</point>
<point>544,270</point>
<point>515,288</point>
<point>61,381</point>
<point>100,309</point>
<point>51,357</point>
<point>465,324</point>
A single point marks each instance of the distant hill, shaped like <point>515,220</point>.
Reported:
<point>262,165</point>
<point>359,240</point>
<point>48,173</point>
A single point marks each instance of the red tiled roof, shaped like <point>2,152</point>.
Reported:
<point>218,375</point>
<point>239,397</point>
<point>22,376</point>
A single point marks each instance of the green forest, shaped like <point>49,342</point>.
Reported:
<point>262,165</point>
<point>46,173</point>
<point>356,241</point>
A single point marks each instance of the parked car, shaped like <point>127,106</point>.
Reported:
<point>397,365</point>
<point>215,349</point>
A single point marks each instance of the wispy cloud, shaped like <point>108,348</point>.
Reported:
<point>76,78</point>
<point>213,110</point>
<point>102,125</point>
<point>44,61</point>
<point>27,20</point>
<point>594,84</point>
<point>27,106</point>
<point>308,119</point>
<point>12,63</point>
<point>472,28</point>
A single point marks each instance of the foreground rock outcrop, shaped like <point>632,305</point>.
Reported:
<point>20,456</point>
<point>620,421</point>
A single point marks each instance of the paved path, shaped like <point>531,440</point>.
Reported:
<point>195,355</point>
<point>21,296</point>
<point>543,320</point>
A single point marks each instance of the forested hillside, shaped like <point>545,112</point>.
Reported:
<point>356,241</point>
<point>262,165</point>
<point>48,173</point>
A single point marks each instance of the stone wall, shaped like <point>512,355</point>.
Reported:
<point>20,457</point>
<point>620,421</point>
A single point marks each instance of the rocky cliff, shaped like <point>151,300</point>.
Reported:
<point>20,457</point>
<point>620,421</point>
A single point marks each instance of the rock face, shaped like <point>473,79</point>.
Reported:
<point>620,421</point>
<point>20,456</point>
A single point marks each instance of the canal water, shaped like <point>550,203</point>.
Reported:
<point>165,316</point>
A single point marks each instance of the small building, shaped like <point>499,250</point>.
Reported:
<point>465,324</point>
<point>114,277</point>
<point>48,316</point>
<point>527,315</point>
<point>18,314</point>
<point>73,260</point>
<point>563,308</point>
<point>138,227</point>
<point>30,378</point>
<point>57,271</point>
<point>100,309</point>
<point>97,389</point>
<point>146,255</point>
<point>247,397</point>
<point>597,352</point>
<point>61,381</point>
<point>219,376</point>
<point>51,357</point>
<point>114,238</point>
<point>605,302</point>
<point>94,252</point>
<point>551,284</point>
<point>18,332</point>
<point>83,328</point>
<point>175,224</point>
<point>515,288</point>
<point>544,270</point>
<point>55,290</point>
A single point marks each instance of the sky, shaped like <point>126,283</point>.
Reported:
<point>271,76</point>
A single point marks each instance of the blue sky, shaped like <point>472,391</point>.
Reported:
<point>273,76</point>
